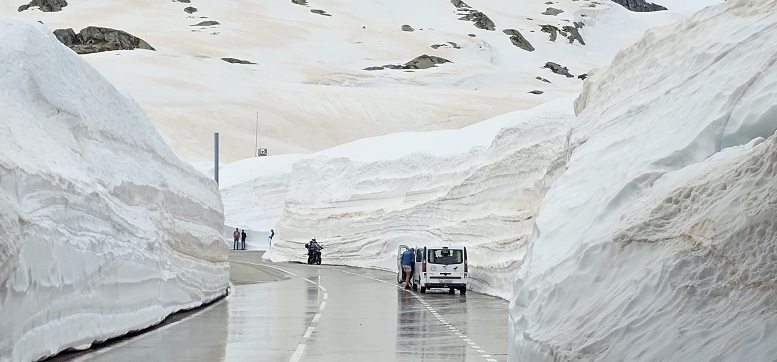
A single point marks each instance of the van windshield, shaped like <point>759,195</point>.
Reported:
<point>446,256</point>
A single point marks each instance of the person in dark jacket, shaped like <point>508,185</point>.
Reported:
<point>407,266</point>
<point>243,237</point>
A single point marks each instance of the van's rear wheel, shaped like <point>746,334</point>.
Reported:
<point>463,290</point>
<point>415,286</point>
<point>451,291</point>
<point>423,289</point>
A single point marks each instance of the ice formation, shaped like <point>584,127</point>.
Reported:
<point>103,230</point>
<point>658,241</point>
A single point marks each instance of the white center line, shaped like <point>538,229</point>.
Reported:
<point>436,315</point>
<point>297,355</point>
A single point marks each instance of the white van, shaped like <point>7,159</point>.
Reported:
<point>437,267</point>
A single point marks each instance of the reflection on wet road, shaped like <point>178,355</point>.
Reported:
<point>324,313</point>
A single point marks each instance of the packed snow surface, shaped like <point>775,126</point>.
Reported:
<point>103,230</point>
<point>309,85</point>
<point>658,241</point>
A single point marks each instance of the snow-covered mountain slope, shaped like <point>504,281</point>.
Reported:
<point>103,230</point>
<point>309,85</point>
<point>479,186</point>
<point>658,241</point>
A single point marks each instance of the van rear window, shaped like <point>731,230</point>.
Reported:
<point>446,256</point>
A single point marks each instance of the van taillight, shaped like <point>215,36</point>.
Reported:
<point>466,269</point>
<point>423,266</point>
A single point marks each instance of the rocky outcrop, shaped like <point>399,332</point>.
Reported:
<point>573,35</point>
<point>425,62</point>
<point>582,76</point>
<point>518,40</point>
<point>552,11</point>
<point>449,44</point>
<point>558,69</point>
<point>569,32</point>
<point>542,79</point>
<point>95,39</point>
<point>300,2</point>
<point>46,6</point>
<point>468,13</point>
<point>320,12</point>
<point>236,61</point>
<point>190,9</point>
<point>640,6</point>
<point>207,23</point>
<point>407,28</point>
<point>420,62</point>
<point>536,92</point>
<point>183,1</point>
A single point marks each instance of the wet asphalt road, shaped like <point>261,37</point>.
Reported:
<point>295,312</point>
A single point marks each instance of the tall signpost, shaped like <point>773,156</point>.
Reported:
<point>216,156</point>
<point>256,136</point>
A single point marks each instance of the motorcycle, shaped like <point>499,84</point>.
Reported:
<point>314,253</point>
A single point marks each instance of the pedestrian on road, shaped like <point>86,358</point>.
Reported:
<point>236,235</point>
<point>243,237</point>
<point>407,266</point>
<point>272,233</point>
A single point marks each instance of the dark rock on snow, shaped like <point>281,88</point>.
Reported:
<point>300,2</point>
<point>639,5</point>
<point>542,79</point>
<point>518,40</point>
<point>558,69</point>
<point>94,39</point>
<point>450,44</point>
<point>573,35</point>
<point>536,92</point>
<point>582,76</point>
<point>46,6</point>
<point>320,12</point>
<point>481,20</point>
<point>236,61</point>
<point>407,28</point>
<point>207,23</point>
<point>425,62</point>
<point>552,11</point>
<point>568,32</point>
<point>183,1</point>
<point>190,10</point>
<point>420,62</point>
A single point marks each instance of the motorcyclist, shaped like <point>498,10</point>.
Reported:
<point>313,248</point>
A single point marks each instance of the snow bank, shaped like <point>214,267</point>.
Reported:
<point>658,242</point>
<point>479,186</point>
<point>103,230</point>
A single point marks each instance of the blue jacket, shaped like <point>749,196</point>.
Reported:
<point>407,257</point>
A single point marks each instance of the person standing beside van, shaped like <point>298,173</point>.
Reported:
<point>243,238</point>
<point>236,236</point>
<point>407,266</point>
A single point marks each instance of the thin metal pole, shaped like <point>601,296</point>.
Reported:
<point>216,156</point>
<point>256,143</point>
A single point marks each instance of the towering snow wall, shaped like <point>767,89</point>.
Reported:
<point>102,229</point>
<point>479,186</point>
<point>658,241</point>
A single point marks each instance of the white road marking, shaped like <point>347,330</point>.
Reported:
<point>297,353</point>
<point>436,315</point>
<point>313,323</point>
<point>309,332</point>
